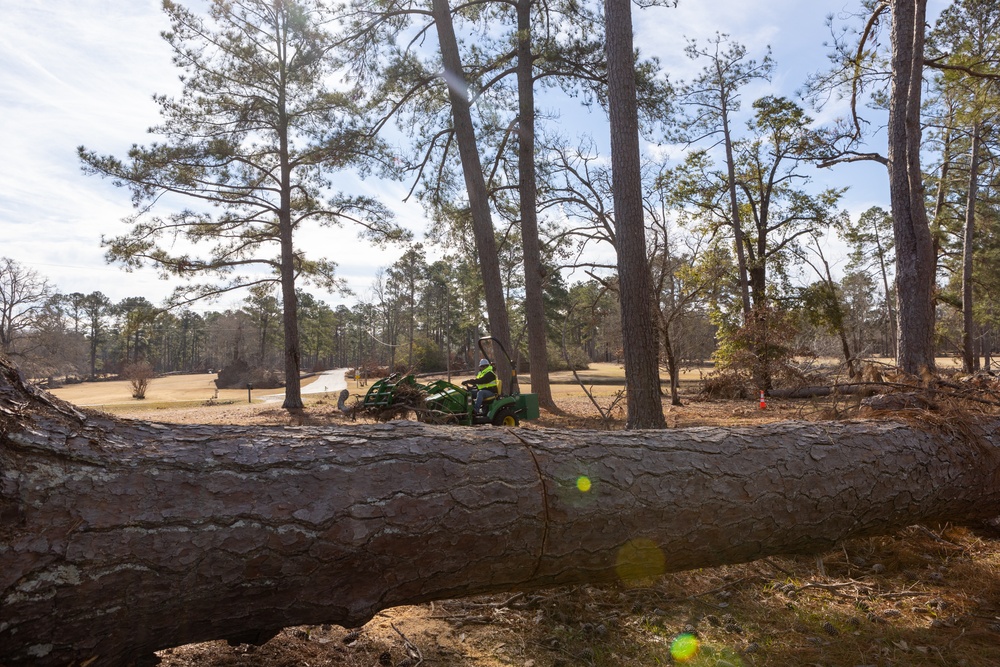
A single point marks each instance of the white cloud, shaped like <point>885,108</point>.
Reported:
<point>74,72</point>
<point>84,72</point>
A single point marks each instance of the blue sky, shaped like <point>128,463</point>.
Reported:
<point>84,71</point>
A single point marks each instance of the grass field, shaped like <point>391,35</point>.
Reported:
<point>601,379</point>
<point>174,389</point>
<point>605,379</point>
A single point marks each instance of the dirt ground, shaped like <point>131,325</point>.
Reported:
<point>926,596</point>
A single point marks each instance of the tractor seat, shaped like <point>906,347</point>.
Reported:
<point>490,399</point>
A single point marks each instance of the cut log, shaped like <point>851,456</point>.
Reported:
<point>818,391</point>
<point>119,538</point>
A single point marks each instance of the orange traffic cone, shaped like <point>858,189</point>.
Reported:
<point>763,403</point>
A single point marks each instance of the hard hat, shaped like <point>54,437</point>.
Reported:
<point>484,362</point>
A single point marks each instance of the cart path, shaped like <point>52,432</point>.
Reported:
<point>328,382</point>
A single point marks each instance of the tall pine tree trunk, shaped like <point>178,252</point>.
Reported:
<point>642,378</point>
<point>914,246</point>
<point>734,209</point>
<point>289,300</point>
<point>534,305</point>
<point>475,184</point>
<point>970,359</point>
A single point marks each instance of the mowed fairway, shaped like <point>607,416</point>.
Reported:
<point>601,379</point>
<point>171,388</point>
<point>190,389</point>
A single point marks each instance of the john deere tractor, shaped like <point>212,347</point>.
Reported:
<point>441,402</point>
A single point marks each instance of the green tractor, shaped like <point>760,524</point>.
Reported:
<point>442,402</point>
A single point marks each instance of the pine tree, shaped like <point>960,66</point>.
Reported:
<point>253,136</point>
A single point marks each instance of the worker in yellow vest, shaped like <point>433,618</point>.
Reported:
<point>484,385</point>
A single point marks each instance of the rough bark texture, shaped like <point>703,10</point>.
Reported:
<point>734,202</point>
<point>289,300</point>
<point>534,304</point>
<point>970,360</point>
<point>642,378</point>
<point>915,261</point>
<point>475,184</point>
<point>118,538</point>
<point>290,322</point>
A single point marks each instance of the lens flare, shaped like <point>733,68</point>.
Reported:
<point>583,483</point>
<point>684,647</point>
<point>640,560</point>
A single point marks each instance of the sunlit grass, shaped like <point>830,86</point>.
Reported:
<point>136,406</point>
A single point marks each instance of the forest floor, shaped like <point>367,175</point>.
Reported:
<point>925,596</point>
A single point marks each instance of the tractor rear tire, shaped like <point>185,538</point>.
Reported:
<point>505,417</point>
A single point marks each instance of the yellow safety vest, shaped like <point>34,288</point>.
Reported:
<point>492,384</point>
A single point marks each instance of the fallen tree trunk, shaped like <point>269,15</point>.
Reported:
<point>119,538</point>
<point>818,391</point>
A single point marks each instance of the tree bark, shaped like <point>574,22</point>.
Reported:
<point>988,347</point>
<point>915,261</point>
<point>941,196</point>
<point>814,391</point>
<point>289,261</point>
<point>642,379</point>
<point>889,298</point>
<point>970,359</point>
<point>475,184</point>
<point>534,305</point>
<point>290,322</point>
<point>120,538</point>
<point>673,369</point>
<point>734,202</point>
